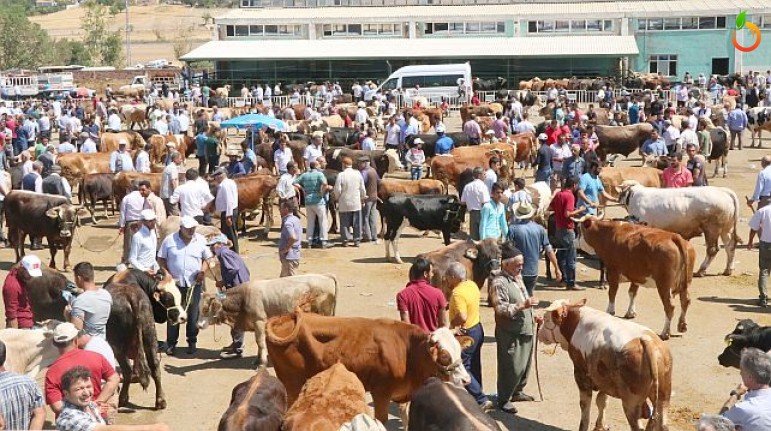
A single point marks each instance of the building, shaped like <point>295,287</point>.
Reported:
<point>316,40</point>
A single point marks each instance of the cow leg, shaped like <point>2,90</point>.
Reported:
<point>125,368</point>
<point>602,402</point>
<point>712,249</point>
<point>259,336</point>
<point>633,414</point>
<point>149,344</point>
<point>404,415</point>
<point>67,250</point>
<point>613,280</point>
<point>52,250</point>
<point>729,243</point>
<point>397,256</point>
<point>718,162</point>
<point>586,408</point>
<point>685,301</point>
<point>631,312</point>
<point>669,309</point>
<point>725,165</point>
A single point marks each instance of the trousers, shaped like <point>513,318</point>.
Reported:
<point>314,211</point>
<point>350,219</point>
<point>764,262</point>
<point>191,326</point>
<point>230,231</point>
<point>514,353</point>
<point>472,362</point>
<point>566,255</point>
<point>369,216</point>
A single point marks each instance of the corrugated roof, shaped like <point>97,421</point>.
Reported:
<point>508,11</point>
<point>462,48</point>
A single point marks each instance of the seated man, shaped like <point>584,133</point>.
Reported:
<point>754,413</point>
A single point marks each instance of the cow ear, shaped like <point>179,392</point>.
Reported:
<point>157,296</point>
<point>580,303</point>
<point>471,253</point>
<point>619,189</point>
<point>53,212</point>
<point>465,341</point>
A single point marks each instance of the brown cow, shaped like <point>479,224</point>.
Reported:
<point>525,148</point>
<point>645,256</point>
<point>256,191</point>
<point>76,165</point>
<point>481,110</point>
<point>265,150</point>
<point>613,176</point>
<point>327,401</point>
<point>109,141</point>
<point>257,404</point>
<point>615,357</point>
<point>479,258</point>
<point>621,139</point>
<point>123,183</point>
<point>392,359</point>
<point>447,169</point>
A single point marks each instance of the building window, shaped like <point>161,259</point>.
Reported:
<point>663,64</point>
<point>573,26</point>
<point>684,23</point>
<point>473,27</point>
<point>562,26</point>
<point>348,30</point>
<point>261,31</point>
<point>671,23</point>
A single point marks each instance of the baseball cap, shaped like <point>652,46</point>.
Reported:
<point>543,137</point>
<point>418,141</point>
<point>65,332</point>
<point>147,215</point>
<point>188,222</point>
<point>122,142</point>
<point>318,134</point>
<point>440,128</point>
<point>217,239</point>
<point>219,171</point>
<point>32,264</point>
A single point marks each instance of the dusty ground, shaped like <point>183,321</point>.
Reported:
<point>198,388</point>
<point>155,28</point>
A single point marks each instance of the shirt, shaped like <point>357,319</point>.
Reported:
<point>16,300</point>
<point>692,165</point>
<point>19,395</point>
<point>368,144</point>
<point>144,245</point>
<point>737,120</point>
<point>754,412</point>
<point>312,153</point>
<point>184,261</point>
<point>443,145</point>
<point>592,187</point>
<point>475,195</point>
<point>472,129</point>
<point>130,208</point>
<point>285,188</point>
<point>531,239</point>
<point>543,159</point>
<point>121,161</point>
<point>490,178</point>
<point>99,367</point>
<point>492,223</point>
<point>465,298</point>
<point>192,198</point>
<point>281,158</point>
<point>563,202</point>
<point>291,226</point>
<point>676,179</point>
<point>311,182</point>
<point>89,147</point>
<point>762,184</point>
<point>170,175</point>
<point>227,197</point>
<point>655,148</point>
<point>233,269</point>
<point>573,166</point>
<point>102,347</point>
<point>143,162</point>
<point>423,302</point>
<point>93,308</point>
<point>114,122</point>
<point>761,221</point>
<point>74,418</point>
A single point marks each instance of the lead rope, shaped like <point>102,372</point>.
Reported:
<point>82,245</point>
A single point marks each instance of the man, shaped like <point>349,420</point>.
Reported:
<point>695,165</point>
<point>500,126</point>
<point>200,151</point>
<point>48,159</point>
<point>491,174</point>
<point>420,303</point>
<point>737,122</point>
<point>285,188</point>
<point>762,193</point>
<point>513,328</point>
<point>563,205</point>
<point>574,165</point>
<point>79,411</point>
<point>369,212</point>
<point>475,195</point>
<point>290,239</point>
<point>234,273</point>
<point>130,209</point>
<point>33,181</point>
<point>754,413</point>
<point>170,182</point>
<point>543,160</point>
<point>55,184</point>
<point>113,121</point>
<point>715,423</point>
<point>464,318</point>
<point>144,244</point>
<point>18,309</point>
<point>65,339</point>
<point>676,175</point>
<point>671,137</point>
<point>21,402</point>
<point>444,144</point>
<point>525,126</point>
<point>760,224</point>
<point>492,223</point>
<point>531,239</point>
<point>350,192</point>
<point>368,144</point>
<point>213,150</point>
<point>314,185</point>
<point>705,139</point>
<point>590,189</point>
<point>120,159</point>
<point>226,205</point>
<point>473,130</point>
<point>143,159</point>
<point>282,156</point>
<point>313,151</point>
<point>182,254</point>
<point>559,152</point>
<point>688,136</point>
<point>235,167</point>
<point>653,147</point>
<point>191,197</point>
<point>91,309</point>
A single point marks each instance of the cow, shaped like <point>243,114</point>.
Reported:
<point>621,139</point>
<point>484,109</point>
<point>479,257</point>
<point>489,84</point>
<point>525,149</point>
<point>46,294</point>
<point>341,137</point>
<point>124,182</point>
<point>76,165</point>
<point>758,120</point>
<point>165,297</point>
<point>541,195</point>
<point>327,401</point>
<point>423,212</point>
<point>719,151</point>
<point>256,191</point>
<point>617,358</point>
<point>134,114</point>
<point>28,351</point>
<point>459,139</point>
<point>690,212</point>
<point>391,186</point>
<point>644,256</point>
<point>439,406</point>
<point>257,404</point>
<point>746,334</point>
<point>265,150</point>
<point>41,215</point>
<point>248,307</point>
<point>391,358</point>
<point>96,187</point>
<point>448,168</point>
<point>109,141</point>
<point>613,176</point>
<point>383,161</point>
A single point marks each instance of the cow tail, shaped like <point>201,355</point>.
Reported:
<point>81,193</point>
<point>686,270</point>
<point>649,352</point>
<point>141,363</point>
<point>737,208</point>
<point>334,300</point>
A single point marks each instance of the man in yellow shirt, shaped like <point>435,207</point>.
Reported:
<point>464,317</point>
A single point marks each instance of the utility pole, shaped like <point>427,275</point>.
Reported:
<point>128,37</point>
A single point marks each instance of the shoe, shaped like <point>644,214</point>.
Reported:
<point>344,244</point>
<point>487,405</point>
<point>171,351</point>
<point>316,245</point>
<point>325,245</point>
<point>191,349</point>
<point>356,243</point>
<point>521,397</point>
<point>578,288</point>
<point>231,354</point>
<point>508,408</point>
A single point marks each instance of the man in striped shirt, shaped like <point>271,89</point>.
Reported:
<point>21,402</point>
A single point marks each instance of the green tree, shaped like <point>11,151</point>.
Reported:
<point>103,45</point>
<point>22,43</point>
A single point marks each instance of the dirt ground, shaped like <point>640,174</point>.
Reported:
<point>198,388</point>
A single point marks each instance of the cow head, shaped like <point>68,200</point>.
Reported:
<point>66,218</point>
<point>454,214</point>
<point>169,296</point>
<point>444,348</point>
<point>486,255</point>
<point>554,318</point>
<point>211,310</point>
<point>736,341</point>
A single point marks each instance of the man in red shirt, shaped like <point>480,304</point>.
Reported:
<point>564,206</point>
<point>18,310</point>
<point>66,340</point>
<point>419,302</point>
<point>677,175</point>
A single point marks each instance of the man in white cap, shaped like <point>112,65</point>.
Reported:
<point>170,182</point>
<point>543,160</point>
<point>144,244</point>
<point>192,198</point>
<point>444,144</point>
<point>475,196</point>
<point>18,309</point>
<point>91,309</point>
<point>313,151</point>
<point>226,205</point>
<point>233,272</point>
<point>361,114</point>
<point>120,159</point>
<point>182,254</point>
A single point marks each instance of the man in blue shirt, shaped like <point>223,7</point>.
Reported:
<point>653,146</point>
<point>234,273</point>
<point>314,185</point>
<point>590,188</point>
<point>444,143</point>
<point>530,238</point>
<point>737,121</point>
<point>291,238</point>
<point>200,151</point>
<point>634,113</point>
<point>543,160</point>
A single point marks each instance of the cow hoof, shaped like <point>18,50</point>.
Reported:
<point>664,337</point>
<point>682,327</point>
<point>727,272</point>
<point>700,274</point>
<point>630,315</point>
<point>160,404</point>
<point>599,428</point>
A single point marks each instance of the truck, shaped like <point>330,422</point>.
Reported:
<point>142,83</point>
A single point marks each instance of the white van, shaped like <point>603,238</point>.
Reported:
<point>433,81</point>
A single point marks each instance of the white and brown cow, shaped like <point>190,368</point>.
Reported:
<point>28,351</point>
<point>614,357</point>
<point>758,120</point>
<point>249,306</point>
<point>644,256</point>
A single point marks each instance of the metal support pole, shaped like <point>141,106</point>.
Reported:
<point>128,37</point>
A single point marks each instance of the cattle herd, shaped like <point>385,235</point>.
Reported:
<point>324,364</point>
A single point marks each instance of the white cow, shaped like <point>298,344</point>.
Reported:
<point>690,212</point>
<point>542,196</point>
<point>249,306</point>
<point>758,120</point>
<point>28,351</point>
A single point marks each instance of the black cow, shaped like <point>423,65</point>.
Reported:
<point>46,294</point>
<point>423,212</point>
<point>341,137</point>
<point>378,159</point>
<point>439,406</point>
<point>746,334</point>
<point>41,215</point>
<point>527,98</point>
<point>489,84</point>
<point>16,176</point>
<point>96,187</point>
<point>147,133</point>
<point>164,294</point>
